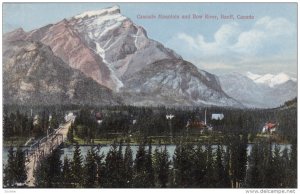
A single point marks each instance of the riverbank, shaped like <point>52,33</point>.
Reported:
<point>212,138</point>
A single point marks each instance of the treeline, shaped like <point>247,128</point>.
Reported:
<point>144,121</point>
<point>149,121</point>
<point>192,166</point>
<point>18,124</point>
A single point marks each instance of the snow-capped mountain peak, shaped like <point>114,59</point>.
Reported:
<point>107,11</point>
<point>252,75</point>
<point>270,79</point>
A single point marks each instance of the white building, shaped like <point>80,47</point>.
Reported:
<point>219,116</point>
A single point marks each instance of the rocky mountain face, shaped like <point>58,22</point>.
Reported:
<point>32,74</point>
<point>261,91</point>
<point>113,56</point>
<point>175,82</point>
<point>103,44</point>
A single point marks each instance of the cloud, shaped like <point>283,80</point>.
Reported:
<point>233,46</point>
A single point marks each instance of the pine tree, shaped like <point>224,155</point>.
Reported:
<point>7,127</point>
<point>77,167</point>
<point>183,163</point>
<point>90,170</point>
<point>100,167</point>
<point>198,167</point>
<point>140,176</point>
<point>210,177</point>
<point>287,168</point>
<point>121,167</point>
<point>55,169</point>
<point>111,168</point>
<point>238,155</point>
<point>149,167</point>
<point>41,174</point>
<point>254,173</point>
<point>20,167</point>
<point>242,159</point>
<point>128,166</point>
<point>278,169</point>
<point>161,167</point>
<point>293,164</point>
<point>220,170</point>
<point>66,173</point>
<point>54,123</point>
<point>48,172</point>
<point>227,179</point>
<point>9,178</point>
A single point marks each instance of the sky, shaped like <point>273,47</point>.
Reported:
<point>266,43</point>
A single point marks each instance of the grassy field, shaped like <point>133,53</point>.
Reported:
<point>15,141</point>
<point>163,140</point>
<point>213,138</point>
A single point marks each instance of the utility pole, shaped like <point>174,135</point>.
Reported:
<point>169,118</point>
<point>205,117</point>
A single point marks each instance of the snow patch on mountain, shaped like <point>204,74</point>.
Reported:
<point>270,79</point>
<point>116,80</point>
<point>110,10</point>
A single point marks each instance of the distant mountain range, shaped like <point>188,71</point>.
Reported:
<point>102,57</point>
<point>270,79</point>
<point>263,91</point>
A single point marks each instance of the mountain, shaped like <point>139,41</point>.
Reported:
<point>103,44</point>
<point>108,48</point>
<point>270,79</point>
<point>260,91</point>
<point>32,74</point>
<point>175,82</point>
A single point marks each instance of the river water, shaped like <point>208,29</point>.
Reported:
<point>68,151</point>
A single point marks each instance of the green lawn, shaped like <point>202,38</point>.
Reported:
<point>15,141</point>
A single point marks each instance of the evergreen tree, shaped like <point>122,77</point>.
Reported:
<point>55,166</point>
<point>199,167</point>
<point>183,163</point>
<point>210,177</point>
<point>20,168</point>
<point>238,155</point>
<point>267,165</point>
<point>140,176</point>
<point>90,170</point>
<point>48,173</point>
<point>41,174</point>
<point>121,167</point>
<point>100,167</point>
<point>220,170</point>
<point>278,169</point>
<point>287,168</point>
<point>128,166</point>
<point>242,159</point>
<point>67,173</point>
<point>149,168</point>
<point>254,174</point>
<point>111,168</point>
<point>293,164</point>
<point>161,166</point>
<point>77,168</point>
<point>227,180</point>
<point>7,127</point>
<point>9,178</point>
<point>54,123</point>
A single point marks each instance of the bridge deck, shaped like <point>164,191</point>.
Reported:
<point>45,147</point>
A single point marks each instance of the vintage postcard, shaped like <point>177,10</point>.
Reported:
<point>150,95</point>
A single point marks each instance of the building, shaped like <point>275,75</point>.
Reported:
<point>270,127</point>
<point>217,116</point>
